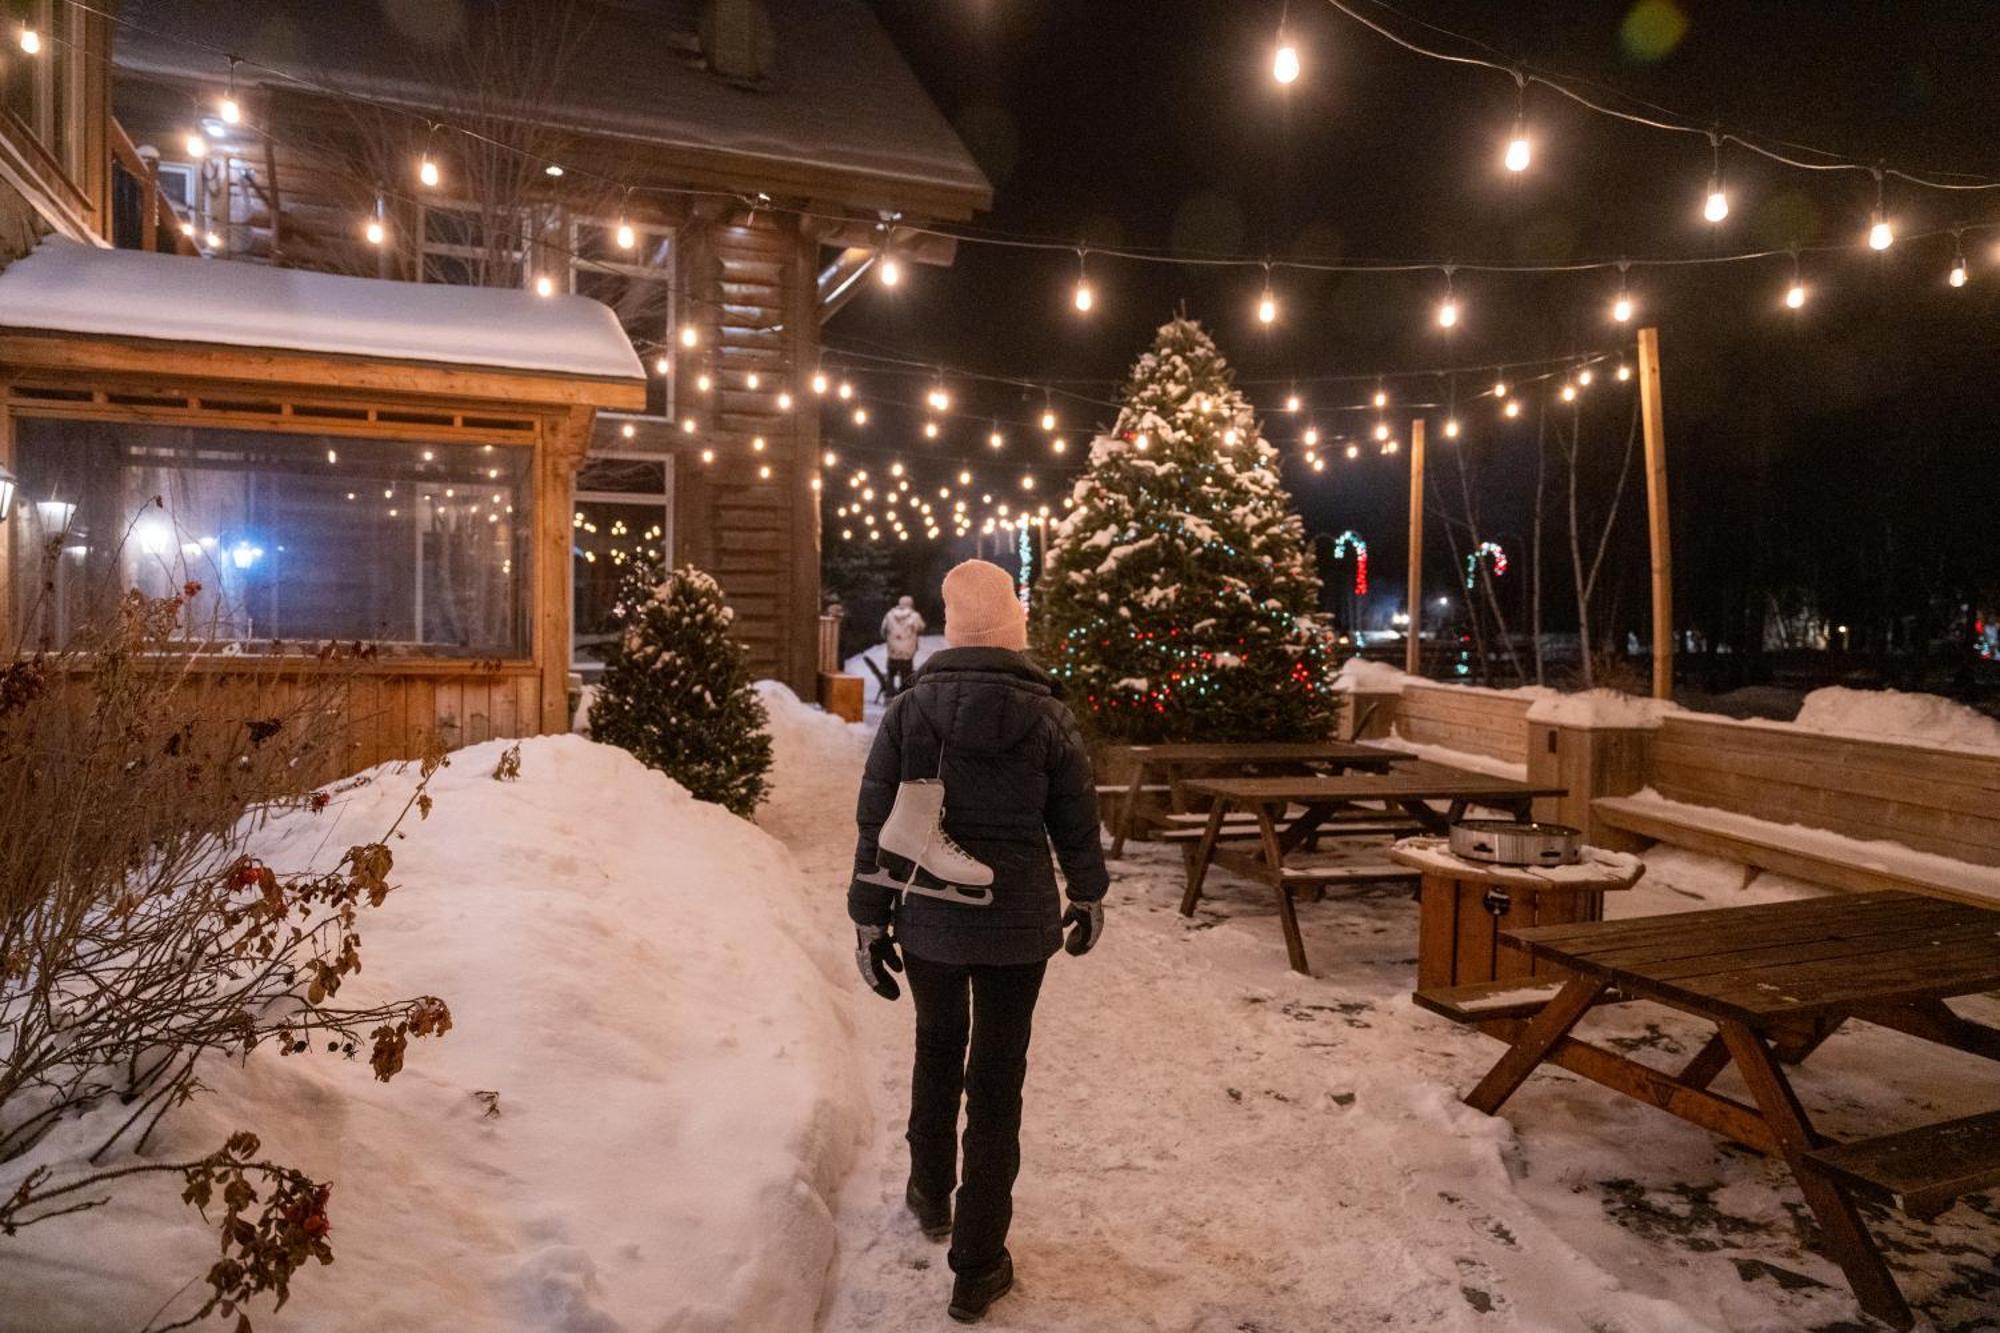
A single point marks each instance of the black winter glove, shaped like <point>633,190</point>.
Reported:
<point>875,954</point>
<point>1087,923</point>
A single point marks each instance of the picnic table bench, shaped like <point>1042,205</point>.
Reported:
<point>1163,769</point>
<point>1776,980</point>
<point>1328,807</point>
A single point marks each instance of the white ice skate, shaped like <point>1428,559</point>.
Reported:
<point>938,867</point>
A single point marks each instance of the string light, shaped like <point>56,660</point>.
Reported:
<point>1958,275</point>
<point>1447,314</point>
<point>752,381</point>
<point>995,440</point>
<point>690,336</point>
<point>197,146</point>
<point>1513,408</point>
<point>784,400</point>
<point>628,239</point>
<point>374,231</point>
<point>708,455</point>
<point>1048,419</point>
<point>1795,295</point>
<point>1381,430</point>
<point>1715,207</point>
<point>1451,428</point>
<point>1584,377</point>
<point>1311,436</point>
<point>889,271</point>
<point>687,425</point>
<point>860,416</point>
<point>829,458</point>
<point>31,41</point>
<point>1624,372</point>
<point>1084,298</point>
<point>939,400</point>
<point>1292,403</point>
<point>1880,234</point>
<point>1569,393</point>
<point>663,364</point>
<point>1381,399</point>
<point>702,382</point>
<point>1267,304</point>
<point>845,391</point>
<point>1285,60</point>
<point>552,170</point>
<point>930,430</point>
<point>628,430</point>
<point>819,383</point>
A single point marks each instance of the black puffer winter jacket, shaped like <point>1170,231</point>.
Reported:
<point>1016,777</point>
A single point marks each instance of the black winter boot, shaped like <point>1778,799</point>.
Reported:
<point>933,1216</point>
<point>973,1293</point>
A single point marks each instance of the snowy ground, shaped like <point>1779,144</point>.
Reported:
<point>700,1110</point>
<point>1215,1143</point>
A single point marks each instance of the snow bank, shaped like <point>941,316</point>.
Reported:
<point>1593,709</point>
<point>668,1032</point>
<point>1915,719</point>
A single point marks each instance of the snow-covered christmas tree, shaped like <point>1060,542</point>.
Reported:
<point>1177,598</point>
<point>676,690</point>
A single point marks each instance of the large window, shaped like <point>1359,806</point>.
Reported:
<point>623,517</point>
<point>417,547</point>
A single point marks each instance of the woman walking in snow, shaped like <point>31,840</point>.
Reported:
<point>988,722</point>
<point>902,634</point>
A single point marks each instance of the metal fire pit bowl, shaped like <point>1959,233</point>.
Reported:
<point>1507,842</point>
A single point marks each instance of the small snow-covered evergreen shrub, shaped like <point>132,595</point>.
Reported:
<point>676,690</point>
<point>1178,596</point>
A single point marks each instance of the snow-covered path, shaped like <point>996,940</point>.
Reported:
<point>1214,1143</point>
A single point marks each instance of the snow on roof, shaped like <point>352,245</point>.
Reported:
<point>840,96</point>
<point>65,287</point>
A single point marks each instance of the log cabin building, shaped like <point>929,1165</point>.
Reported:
<point>718,173</point>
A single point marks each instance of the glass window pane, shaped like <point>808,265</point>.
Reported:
<point>607,537</point>
<point>415,547</point>
<point>632,476</point>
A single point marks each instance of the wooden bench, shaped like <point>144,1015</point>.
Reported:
<point>1921,1171</point>
<point>1756,843</point>
<point>1478,1002</point>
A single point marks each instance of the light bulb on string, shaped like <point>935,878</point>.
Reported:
<point>427,172</point>
<point>1624,372</point>
<point>888,270</point>
<point>1716,206</point>
<point>1795,294</point>
<point>1451,428</point>
<point>31,40</point>
<point>1880,234</point>
<point>1381,399</point>
<point>939,400</point>
<point>690,336</point>
<point>374,231</point>
<point>1381,430</point>
<point>197,146</point>
<point>1499,387</point>
<point>1959,273</point>
<point>995,440</point>
<point>1048,419</point>
<point>1447,311</point>
<point>1569,393</point>
<point>702,382</point>
<point>1084,298</point>
<point>752,381</point>
<point>230,109</point>
<point>845,391</point>
<point>930,430</point>
<point>1513,408</point>
<point>1311,437</point>
<point>1354,451</point>
<point>1267,304</point>
<point>1285,60</point>
<point>860,416</point>
<point>1293,402</point>
<point>1621,308</point>
<point>627,238</point>
<point>819,383</point>
<point>1584,377</point>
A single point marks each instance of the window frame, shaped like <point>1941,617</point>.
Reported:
<point>664,498</point>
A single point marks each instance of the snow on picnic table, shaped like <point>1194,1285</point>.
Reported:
<point>1213,1142</point>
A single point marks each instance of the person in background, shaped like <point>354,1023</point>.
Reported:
<point>990,724</point>
<point>902,629</point>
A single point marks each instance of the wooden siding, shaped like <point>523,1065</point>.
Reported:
<point>1461,719</point>
<point>1940,801</point>
<point>747,283</point>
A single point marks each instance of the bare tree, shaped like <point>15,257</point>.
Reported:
<point>1586,573</point>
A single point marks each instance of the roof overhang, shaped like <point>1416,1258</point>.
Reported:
<point>75,308</point>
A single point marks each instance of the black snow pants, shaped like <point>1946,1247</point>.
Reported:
<point>994,1006</point>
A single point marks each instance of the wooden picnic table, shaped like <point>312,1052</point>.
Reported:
<point>1326,802</point>
<point>1776,980</point>
<point>1172,763</point>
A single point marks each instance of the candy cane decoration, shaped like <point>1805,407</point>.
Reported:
<point>1484,550</point>
<point>1353,539</point>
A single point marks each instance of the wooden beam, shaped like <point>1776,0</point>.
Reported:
<point>1413,646</point>
<point>205,363</point>
<point>1658,529</point>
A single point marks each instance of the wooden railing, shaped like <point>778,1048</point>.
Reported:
<point>159,219</point>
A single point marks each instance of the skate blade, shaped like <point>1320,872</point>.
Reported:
<point>961,894</point>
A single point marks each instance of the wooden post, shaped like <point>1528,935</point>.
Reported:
<point>1657,527</point>
<point>1413,646</point>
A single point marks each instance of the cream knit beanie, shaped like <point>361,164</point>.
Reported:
<point>981,610</point>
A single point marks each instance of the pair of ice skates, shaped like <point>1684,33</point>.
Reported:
<point>931,864</point>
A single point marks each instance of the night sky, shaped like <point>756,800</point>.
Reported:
<point>1844,453</point>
